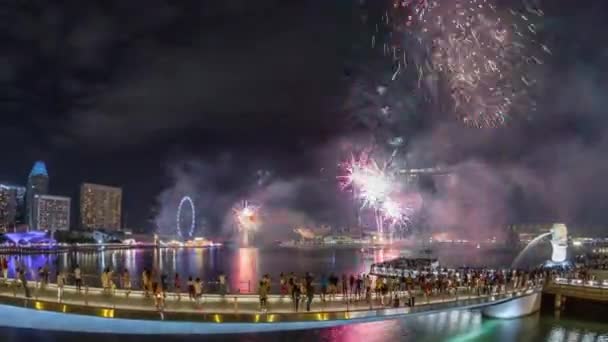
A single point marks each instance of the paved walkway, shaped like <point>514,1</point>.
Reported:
<point>232,304</point>
<point>575,288</point>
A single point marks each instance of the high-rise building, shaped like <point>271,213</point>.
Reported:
<point>20,197</point>
<point>51,212</point>
<point>8,207</point>
<point>100,207</point>
<point>12,204</point>
<point>37,184</point>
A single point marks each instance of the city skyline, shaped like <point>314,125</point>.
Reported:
<point>19,205</point>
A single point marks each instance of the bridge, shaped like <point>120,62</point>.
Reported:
<point>93,309</point>
<point>562,288</point>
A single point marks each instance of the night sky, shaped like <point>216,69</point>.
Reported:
<point>112,91</point>
<point>120,92</point>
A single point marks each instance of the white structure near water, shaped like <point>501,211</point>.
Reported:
<point>559,245</point>
<point>559,242</point>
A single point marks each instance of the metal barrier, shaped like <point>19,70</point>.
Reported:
<point>603,284</point>
<point>238,308</point>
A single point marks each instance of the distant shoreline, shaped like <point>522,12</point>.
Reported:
<point>58,249</point>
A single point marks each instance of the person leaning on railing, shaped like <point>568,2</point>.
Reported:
<point>77,277</point>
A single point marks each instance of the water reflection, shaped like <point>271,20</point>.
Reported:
<point>561,334</point>
<point>372,332</point>
<point>243,266</point>
<point>130,259</point>
<point>454,326</point>
<point>458,327</point>
<point>244,273</point>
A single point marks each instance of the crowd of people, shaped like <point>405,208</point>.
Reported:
<point>356,288</point>
<point>583,273</point>
<point>593,261</point>
<point>349,288</point>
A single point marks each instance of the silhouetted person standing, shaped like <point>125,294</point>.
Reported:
<point>310,291</point>
<point>296,295</point>
<point>24,283</point>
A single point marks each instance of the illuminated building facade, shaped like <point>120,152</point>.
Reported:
<point>100,207</point>
<point>8,207</point>
<point>51,212</point>
<point>37,184</point>
<point>20,192</point>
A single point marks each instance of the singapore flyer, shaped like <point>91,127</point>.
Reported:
<point>181,221</point>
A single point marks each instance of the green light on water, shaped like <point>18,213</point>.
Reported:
<point>485,329</point>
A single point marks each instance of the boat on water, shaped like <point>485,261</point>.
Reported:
<point>327,242</point>
<point>403,267</point>
<point>200,243</point>
<point>197,242</point>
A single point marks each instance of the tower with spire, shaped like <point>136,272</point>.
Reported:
<point>37,184</point>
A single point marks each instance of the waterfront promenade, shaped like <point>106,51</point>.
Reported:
<point>231,307</point>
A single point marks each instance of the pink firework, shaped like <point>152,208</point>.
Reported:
<point>378,189</point>
<point>370,182</point>
<point>246,216</point>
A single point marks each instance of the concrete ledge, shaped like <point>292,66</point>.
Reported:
<point>515,308</point>
<point>579,291</point>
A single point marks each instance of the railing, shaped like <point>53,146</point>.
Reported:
<point>459,292</point>
<point>246,286</point>
<point>594,290</point>
<point>600,284</point>
<point>236,304</point>
<point>251,287</point>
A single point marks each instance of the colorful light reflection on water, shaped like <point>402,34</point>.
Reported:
<point>454,326</point>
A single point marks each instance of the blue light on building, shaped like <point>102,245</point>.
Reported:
<point>37,184</point>
<point>31,237</point>
<point>39,169</point>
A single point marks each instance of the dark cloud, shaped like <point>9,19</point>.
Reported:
<point>115,73</point>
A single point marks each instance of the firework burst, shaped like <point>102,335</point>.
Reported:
<point>246,217</point>
<point>481,57</point>
<point>377,187</point>
<point>372,183</point>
